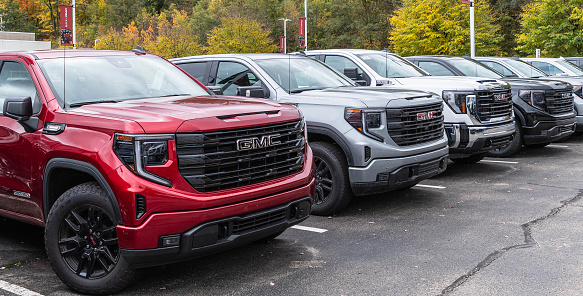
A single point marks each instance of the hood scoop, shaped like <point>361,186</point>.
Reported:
<point>232,116</point>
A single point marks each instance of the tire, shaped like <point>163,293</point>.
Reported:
<point>333,192</point>
<point>513,147</point>
<point>470,159</point>
<point>541,145</point>
<point>81,242</point>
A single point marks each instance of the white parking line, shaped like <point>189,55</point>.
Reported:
<point>499,161</point>
<point>557,146</point>
<point>312,229</point>
<point>18,290</point>
<point>430,186</point>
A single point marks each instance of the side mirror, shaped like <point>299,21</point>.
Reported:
<point>351,73</point>
<point>251,91</point>
<point>215,89</point>
<point>19,108</point>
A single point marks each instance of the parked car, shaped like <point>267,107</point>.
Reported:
<point>578,61</point>
<point>514,67</point>
<point>543,109</point>
<point>128,162</point>
<point>365,140</point>
<point>555,66</point>
<point>472,132</point>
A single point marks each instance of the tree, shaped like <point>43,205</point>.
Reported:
<point>508,17</point>
<point>14,18</point>
<point>443,27</point>
<point>239,35</point>
<point>554,26</point>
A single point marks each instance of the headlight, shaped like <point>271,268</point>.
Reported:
<point>138,152</point>
<point>459,102</point>
<point>365,121</point>
<point>577,89</point>
<point>534,98</point>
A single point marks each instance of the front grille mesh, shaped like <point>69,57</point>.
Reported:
<point>414,125</point>
<point>211,161</point>
<point>258,222</point>
<point>559,102</point>
<point>493,105</point>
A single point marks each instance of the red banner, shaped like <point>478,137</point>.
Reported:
<point>281,44</point>
<point>66,25</point>
<point>468,2</point>
<point>302,26</point>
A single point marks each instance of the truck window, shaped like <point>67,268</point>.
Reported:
<point>15,81</point>
<point>547,68</point>
<point>499,68</point>
<point>196,70</point>
<point>435,69</point>
<point>231,75</point>
<point>340,63</point>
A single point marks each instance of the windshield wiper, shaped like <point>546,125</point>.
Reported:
<point>296,91</point>
<point>175,95</point>
<point>92,102</point>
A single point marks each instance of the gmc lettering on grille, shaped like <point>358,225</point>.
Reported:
<point>256,142</point>
<point>426,115</point>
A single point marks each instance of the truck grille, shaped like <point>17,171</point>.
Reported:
<point>415,125</point>
<point>559,102</point>
<point>258,222</point>
<point>226,159</point>
<point>493,105</point>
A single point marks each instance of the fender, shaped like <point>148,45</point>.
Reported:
<point>519,115</point>
<point>332,132</point>
<point>83,167</point>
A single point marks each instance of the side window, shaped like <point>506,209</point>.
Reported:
<point>15,81</point>
<point>231,75</point>
<point>340,63</point>
<point>499,68</point>
<point>547,68</point>
<point>196,70</point>
<point>435,69</point>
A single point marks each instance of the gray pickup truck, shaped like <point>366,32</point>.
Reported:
<point>365,140</point>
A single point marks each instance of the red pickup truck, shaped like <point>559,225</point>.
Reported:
<point>129,162</point>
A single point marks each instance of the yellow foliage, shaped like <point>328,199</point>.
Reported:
<point>239,35</point>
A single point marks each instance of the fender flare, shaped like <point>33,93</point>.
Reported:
<point>85,168</point>
<point>330,131</point>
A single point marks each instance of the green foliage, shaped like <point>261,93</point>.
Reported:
<point>508,17</point>
<point>554,26</point>
<point>14,19</point>
<point>239,35</point>
<point>443,27</point>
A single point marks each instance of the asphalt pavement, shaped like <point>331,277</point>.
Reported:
<point>498,227</point>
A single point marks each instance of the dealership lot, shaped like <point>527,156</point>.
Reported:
<point>499,227</point>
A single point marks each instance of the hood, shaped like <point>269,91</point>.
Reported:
<point>357,96</point>
<point>166,115</point>
<point>457,83</point>
<point>534,84</point>
<point>574,80</point>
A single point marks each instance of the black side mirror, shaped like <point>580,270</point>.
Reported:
<point>215,89</point>
<point>251,91</point>
<point>351,73</point>
<point>19,108</point>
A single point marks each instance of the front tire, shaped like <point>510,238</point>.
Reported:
<point>513,147</point>
<point>81,242</point>
<point>333,192</point>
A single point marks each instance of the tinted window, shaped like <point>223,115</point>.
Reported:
<point>499,68</point>
<point>526,69</point>
<point>340,63</point>
<point>231,75</point>
<point>547,68</point>
<point>15,81</point>
<point>435,69</point>
<point>472,68</point>
<point>195,70</point>
<point>391,66</point>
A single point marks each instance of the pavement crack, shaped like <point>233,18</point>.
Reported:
<point>529,242</point>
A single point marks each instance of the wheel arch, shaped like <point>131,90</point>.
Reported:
<point>77,172</point>
<point>327,133</point>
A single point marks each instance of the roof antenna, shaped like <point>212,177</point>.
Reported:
<point>139,50</point>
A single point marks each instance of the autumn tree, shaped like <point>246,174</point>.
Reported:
<point>443,27</point>
<point>554,26</point>
<point>239,35</point>
<point>14,18</point>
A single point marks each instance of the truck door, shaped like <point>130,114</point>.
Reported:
<point>16,149</point>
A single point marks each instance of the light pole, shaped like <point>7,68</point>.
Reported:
<point>306,25</point>
<point>96,43</point>
<point>1,23</point>
<point>284,33</point>
<point>472,42</point>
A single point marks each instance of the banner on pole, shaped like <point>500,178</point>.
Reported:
<point>66,25</point>
<point>468,2</point>
<point>281,44</point>
<point>302,26</point>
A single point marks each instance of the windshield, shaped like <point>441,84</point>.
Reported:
<point>471,68</point>
<point>390,66</point>
<point>86,80</point>
<point>572,67</point>
<point>299,74</point>
<point>526,69</point>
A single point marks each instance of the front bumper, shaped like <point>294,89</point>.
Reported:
<point>382,175</point>
<point>217,235</point>
<point>467,140</point>
<point>548,131</point>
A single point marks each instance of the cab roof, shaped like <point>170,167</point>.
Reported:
<point>68,53</point>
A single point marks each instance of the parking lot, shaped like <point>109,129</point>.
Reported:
<point>499,227</point>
